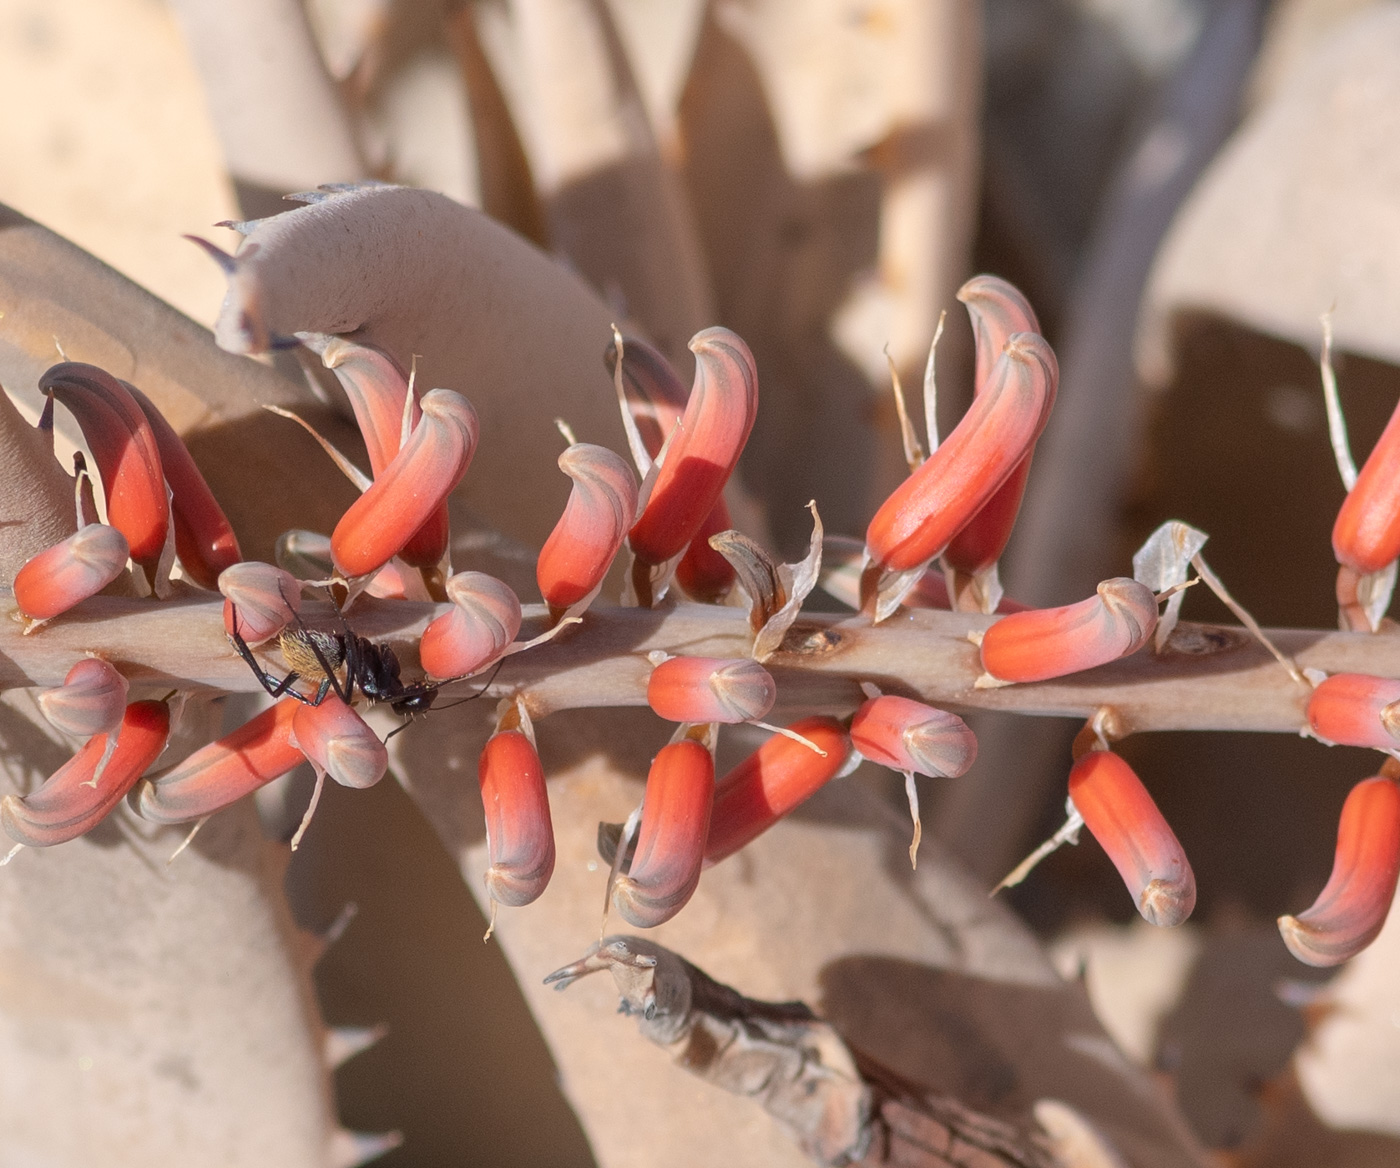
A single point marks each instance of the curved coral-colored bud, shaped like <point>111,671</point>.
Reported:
<point>266,600</point>
<point>1347,708</point>
<point>224,771</point>
<point>998,311</point>
<point>91,700</point>
<point>671,840</point>
<point>204,538</point>
<point>906,735</point>
<point>1121,815</point>
<point>378,391</point>
<point>69,572</point>
<point>934,503</point>
<point>704,449</point>
<point>76,797</point>
<point>126,452</point>
<point>581,548</point>
<point>483,621</point>
<point>1051,642</point>
<point>339,741</point>
<point>771,782</point>
<point>1366,536</point>
<point>519,833</point>
<point>413,486</point>
<point>711,689</point>
<point>1352,908</point>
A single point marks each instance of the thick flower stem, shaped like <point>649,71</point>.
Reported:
<point>1218,678</point>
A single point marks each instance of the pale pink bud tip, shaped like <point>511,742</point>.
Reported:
<point>1352,908</point>
<point>77,797</point>
<point>91,700</point>
<point>1349,709</point>
<point>519,833</point>
<point>704,449</point>
<point>711,689</point>
<point>1121,815</point>
<point>69,572</point>
<point>483,621</point>
<point>584,542</point>
<point>771,782</point>
<point>934,503</point>
<point>224,771</point>
<point>906,736</point>
<point>1051,642</point>
<point>264,599</point>
<point>412,488</point>
<point>338,740</point>
<point>671,841</point>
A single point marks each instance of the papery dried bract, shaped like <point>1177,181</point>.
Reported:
<point>91,700</point>
<point>1163,564</point>
<point>127,455</point>
<point>414,485</point>
<point>934,503</point>
<point>483,621</point>
<point>906,735</point>
<point>204,538</point>
<point>69,572</point>
<point>1352,907</point>
<point>264,599</point>
<point>671,840</point>
<point>69,802</point>
<point>771,782</point>
<point>1121,815</point>
<point>704,449</point>
<point>519,833</point>
<point>339,742</point>
<point>1051,642</point>
<point>223,772</point>
<point>584,542</point>
<point>1348,708</point>
<point>711,689</point>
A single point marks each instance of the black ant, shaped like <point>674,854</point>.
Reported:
<point>323,657</point>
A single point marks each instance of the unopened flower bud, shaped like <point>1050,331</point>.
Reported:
<point>259,600</point>
<point>483,621</point>
<point>1366,536</point>
<point>1352,908</point>
<point>1121,815</point>
<point>711,689</point>
<point>1051,642</point>
<point>91,700</point>
<point>339,742</point>
<point>69,572</point>
<point>906,735</point>
<point>519,833</point>
<point>584,542</point>
<point>1349,709</point>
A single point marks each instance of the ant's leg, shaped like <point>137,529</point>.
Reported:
<point>274,687</point>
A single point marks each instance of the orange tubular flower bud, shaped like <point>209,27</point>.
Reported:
<point>906,735</point>
<point>711,689</point>
<point>1121,815</point>
<point>484,619</point>
<point>581,548</point>
<point>704,449</point>
<point>1353,906</point>
<point>224,771</point>
<point>1366,536</point>
<point>998,311</point>
<point>76,797</point>
<point>204,538</point>
<point>128,457</point>
<point>91,700</point>
<point>1348,709</point>
<point>519,833</point>
<point>412,488</point>
<point>771,782</point>
<point>265,600</point>
<point>339,742</point>
<point>378,391</point>
<point>1052,642</point>
<point>69,572</point>
<point>934,503</point>
<point>671,842</point>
